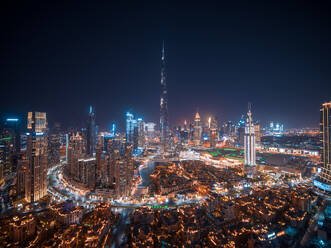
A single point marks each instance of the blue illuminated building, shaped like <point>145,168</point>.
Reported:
<point>113,130</point>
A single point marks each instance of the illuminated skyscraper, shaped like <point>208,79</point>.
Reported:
<point>324,181</point>
<point>149,130</point>
<point>36,178</point>
<point>249,140</point>
<point>257,128</point>
<point>91,133</point>
<point>141,132</point>
<point>113,130</point>
<point>9,146</point>
<point>37,122</point>
<point>212,125</point>
<point>164,124</point>
<point>131,125</point>
<point>197,132</point>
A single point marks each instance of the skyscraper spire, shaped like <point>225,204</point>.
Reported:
<point>164,125</point>
<point>163,51</point>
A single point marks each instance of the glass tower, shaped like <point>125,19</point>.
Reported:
<point>164,124</point>
<point>323,183</point>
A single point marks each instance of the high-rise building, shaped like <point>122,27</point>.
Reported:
<point>10,146</point>
<point>249,141</point>
<point>21,178</point>
<point>323,183</point>
<point>164,123</point>
<point>141,132</point>
<point>37,122</point>
<point>149,129</point>
<point>87,171</point>
<point>36,178</point>
<point>92,133</point>
<point>212,125</point>
<point>184,134</point>
<point>257,128</point>
<point>131,124</point>
<point>228,129</point>
<point>241,132</point>
<point>75,151</point>
<point>113,130</point>
<point>197,132</point>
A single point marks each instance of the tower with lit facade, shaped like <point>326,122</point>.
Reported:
<point>131,128</point>
<point>9,146</point>
<point>197,131</point>
<point>249,140</point>
<point>91,136</point>
<point>212,126</point>
<point>164,123</point>
<point>36,177</point>
<point>323,183</point>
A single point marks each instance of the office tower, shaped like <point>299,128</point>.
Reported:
<point>91,135</point>
<point>228,129</point>
<point>149,129</point>
<point>197,132</point>
<point>131,124</point>
<point>36,180</point>
<point>126,171</point>
<point>241,131</point>
<point>113,169</point>
<point>10,146</point>
<point>257,128</point>
<point>54,144</point>
<point>75,151</point>
<point>249,141</point>
<point>212,125</point>
<point>21,178</point>
<point>164,123</point>
<point>241,135</point>
<point>87,172</point>
<point>100,161</point>
<point>37,122</point>
<point>323,183</point>
<point>108,139</point>
<point>141,132</point>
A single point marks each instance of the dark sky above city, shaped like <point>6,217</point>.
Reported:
<point>60,57</point>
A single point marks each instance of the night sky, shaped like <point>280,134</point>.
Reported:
<point>62,57</point>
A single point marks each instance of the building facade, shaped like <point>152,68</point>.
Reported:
<point>250,140</point>
<point>92,133</point>
<point>37,151</point>
<point>197,132</point>
<point>164,123</point>
<point>323,183</point>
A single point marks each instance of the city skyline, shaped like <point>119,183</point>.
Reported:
<point>206,56</point>
<point>165,124</point>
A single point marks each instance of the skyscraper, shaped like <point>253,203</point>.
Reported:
<point>141,132</point>
<point>164,124</point>
<point>197,131</point>
<point>131,125</point>
<point>212,125</point>
<point>324,181</point>
<point>10,146</point>
<point>91,133</point>
<point>249,140</point>
<point>36,178</point>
